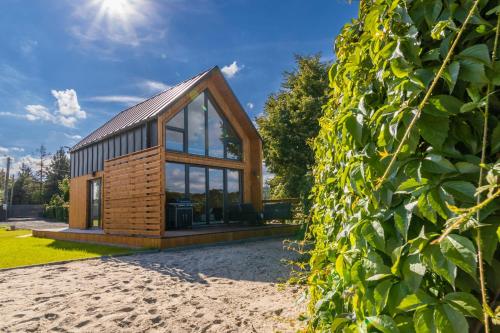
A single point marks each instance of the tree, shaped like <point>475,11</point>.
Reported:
<point>23,186</point>
<point>2,179</point>
<point>290,122</point>
<point>57,171</point>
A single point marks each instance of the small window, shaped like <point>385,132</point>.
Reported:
<point>81,161</point>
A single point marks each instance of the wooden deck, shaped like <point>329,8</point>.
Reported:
<point>174,238</point>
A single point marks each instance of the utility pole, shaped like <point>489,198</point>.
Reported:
<point>6,190</point>
<point>12,191</point>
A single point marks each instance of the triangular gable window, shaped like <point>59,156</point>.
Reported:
<point>200,129</point>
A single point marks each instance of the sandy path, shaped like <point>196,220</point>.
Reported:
<point>230,288</point>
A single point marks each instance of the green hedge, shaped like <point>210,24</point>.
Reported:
<point>58,213</point>
<point>406,214</point>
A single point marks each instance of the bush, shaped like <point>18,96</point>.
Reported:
<point>410,136</point>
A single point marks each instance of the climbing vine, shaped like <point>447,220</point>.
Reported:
<point>406,209</point>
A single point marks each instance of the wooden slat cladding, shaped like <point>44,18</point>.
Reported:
<point>78,205</point>
<point>133,191</point>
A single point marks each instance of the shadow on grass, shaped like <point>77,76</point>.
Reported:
<point>97,249</point>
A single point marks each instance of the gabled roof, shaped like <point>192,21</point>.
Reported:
<point>143,111</point>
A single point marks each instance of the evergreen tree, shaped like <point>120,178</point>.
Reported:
<point>23,186</point>
<point>58,170</point>
<point>289,122</point>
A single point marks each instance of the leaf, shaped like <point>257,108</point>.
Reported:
<point>472,72</point>
<point>451,75</point>
<point>381,293</point>
<point>354,125</point>
<point>425,208</point>
<point>374,234</point>
<point>476,53</point>
<point>461,252</point>
<point>433,129</point>
<point>435,163</point>
<point>462,190</point>
<point>410,185</point>
<point>437,202</point>
<point>489,239</point>
<point>414,301</point>
<point>383,323</point>
<point>445,105</point>
<point>495,139</point>
<point>449,320</point>
<point>437,262</point>
<point>465,303</point>
<point>402,219</point>
<point>466,167</point>
<point>413,271</point>
<point>424,320</point>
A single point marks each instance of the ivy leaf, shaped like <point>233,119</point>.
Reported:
<point>466,167</point>
<point>413,271</point>
<point>425,208</point>
<point>414,301</point>
<point>354,125</point>
<point>411,185</point>
<point>424,320</point>
<point>476,53</point>
<point>374,234</point>
<point>437,262</point>
<point>489,239</point>
<point>449,320</point>
<point>446,105</point>
<point>462,190</point>
<point>472,72</point>
<point>451,75</point>
<point>433,129</point>
<point>402,219</point>
<point>381,294</point>
<point>383,323</point>
<point>435,163</point>
<point>437,202</point>
<point>461,252</point>
<point>465,303</point>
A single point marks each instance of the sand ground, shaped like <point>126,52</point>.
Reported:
<point>229,288</point>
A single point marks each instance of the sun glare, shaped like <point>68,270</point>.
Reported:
<point>118,9</point>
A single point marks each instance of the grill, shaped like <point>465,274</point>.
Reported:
<point>180,214</point>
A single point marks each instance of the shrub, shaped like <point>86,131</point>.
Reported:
<point>408,146</point>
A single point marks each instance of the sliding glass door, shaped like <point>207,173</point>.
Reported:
<point>211,190</point>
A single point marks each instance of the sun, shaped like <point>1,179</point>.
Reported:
<point>119,9</point>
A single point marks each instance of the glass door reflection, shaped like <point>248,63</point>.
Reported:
<point>216,195</point>
<point>198,194</point>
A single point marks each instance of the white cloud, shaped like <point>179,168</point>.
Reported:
<point>27,46</point>
<point>12,114</point>
<point>73,137</point>
<point>68,110</point>
<point>67,103</point>
<point>230,70</point>
<point>250,105</point>
<point>39,112</point>
<point>154,86</point>
<point>32,162</point>
<point>121,99</point>
<point>4,150</point>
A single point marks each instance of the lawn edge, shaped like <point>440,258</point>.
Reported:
<point>52,263</point>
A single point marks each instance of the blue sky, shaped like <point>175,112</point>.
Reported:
<point>67,66</point>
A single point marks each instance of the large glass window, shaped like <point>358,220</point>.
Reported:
<point>174,134</point>
<point>211,190</point>
<point>196,126</point>
<point>233,186</point>
<point>95,203</point>
<point>215,132</point>
<point>216,195</point>
<point>200,129</point>
<point>175,175</point>
<point>198,193</point>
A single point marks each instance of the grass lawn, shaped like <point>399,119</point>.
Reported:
<point>19,248</point>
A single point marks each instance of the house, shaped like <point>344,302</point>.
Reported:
<point>193,141</point>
